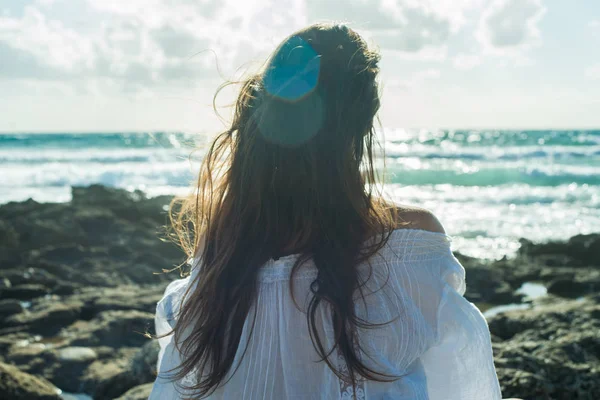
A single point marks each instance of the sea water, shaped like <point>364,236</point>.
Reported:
<point>488,187</point>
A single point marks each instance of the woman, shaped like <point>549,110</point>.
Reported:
<point>306,284</point>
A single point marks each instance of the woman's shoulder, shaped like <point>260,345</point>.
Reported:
<point>418,236</point>
<point>417,218</point>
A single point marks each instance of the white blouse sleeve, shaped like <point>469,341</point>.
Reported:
<point>168,356</point>
<point>460,366</point>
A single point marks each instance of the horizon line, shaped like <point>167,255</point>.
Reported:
<point>148,131</point>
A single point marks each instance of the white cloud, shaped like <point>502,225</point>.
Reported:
<point>593,72</point>
<point>145,43</point>
<point>454,11</point>
<point>509,27</point>
<point>430,73</point>
<point>428,54</point>
<point>466,61</point>
<point>152,64</point>
<point>45,3</point>
<point>415,27</point>
<point>416,81</point>
<point>594,26</point>
<point>139,43</point>
<point>233,31</point>
<point>49,42</point>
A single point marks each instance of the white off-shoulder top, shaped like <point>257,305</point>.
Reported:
<point>438,343</point>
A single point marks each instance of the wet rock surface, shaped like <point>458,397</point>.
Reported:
<point>141,392</point>
<point>79,283</point>
<point>549,352</point>
<point>18,385</point>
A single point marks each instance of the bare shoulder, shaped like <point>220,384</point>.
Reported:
<point>411,217</point>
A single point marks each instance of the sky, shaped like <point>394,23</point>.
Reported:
<point>148,65</point>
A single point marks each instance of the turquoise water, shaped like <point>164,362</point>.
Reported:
<point>488,187</point>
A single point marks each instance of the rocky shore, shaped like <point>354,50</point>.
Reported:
<point>79,283</point>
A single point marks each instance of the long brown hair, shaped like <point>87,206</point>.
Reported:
<point>295,174</point>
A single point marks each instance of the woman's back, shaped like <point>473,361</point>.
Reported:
<point>363,306</point>
<point>434,339</point>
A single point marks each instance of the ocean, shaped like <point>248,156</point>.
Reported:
<point>488,187</point>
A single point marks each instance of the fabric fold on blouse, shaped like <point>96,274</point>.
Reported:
<point>435,341</point>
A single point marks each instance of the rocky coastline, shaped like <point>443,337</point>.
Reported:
<point>79,283</point>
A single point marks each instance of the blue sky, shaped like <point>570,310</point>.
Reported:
<point>111,65</point>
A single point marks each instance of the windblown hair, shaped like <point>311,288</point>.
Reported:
<point>294,174</point>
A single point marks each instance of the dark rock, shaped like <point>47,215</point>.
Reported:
<point>96,224</point>
<point>584,248</point>
<point>572,288</point>
<point>24,292</point>
<point>108,379</point>
<point>68,253</point>
<point>68,366</point>
<point>76,369</point>
<point>18,385</point>
<point>9,246</point>
<point>49,319</point>
<point>486,285</point>
<point>549,352</point>
<point>551,274</point>
<point>121,298</point>
<point>47,224</point>
<point>119,251</point>
<point>9,307</point>
<point>60,270</point>
<point>113,329</point>
<point>580,250</point>
<point>9,238</point>
<point>131,206</point>
<point>76,355</point>
<point>23,275</point>
<point>65,288</point>
<point>103,196</point>
<point>141,392</point>
<point>8,340</point>
<point>30,356</point>
<point>143,363</point>
<point>63,367</point>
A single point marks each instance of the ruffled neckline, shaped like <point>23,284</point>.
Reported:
<point>400,234</point>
